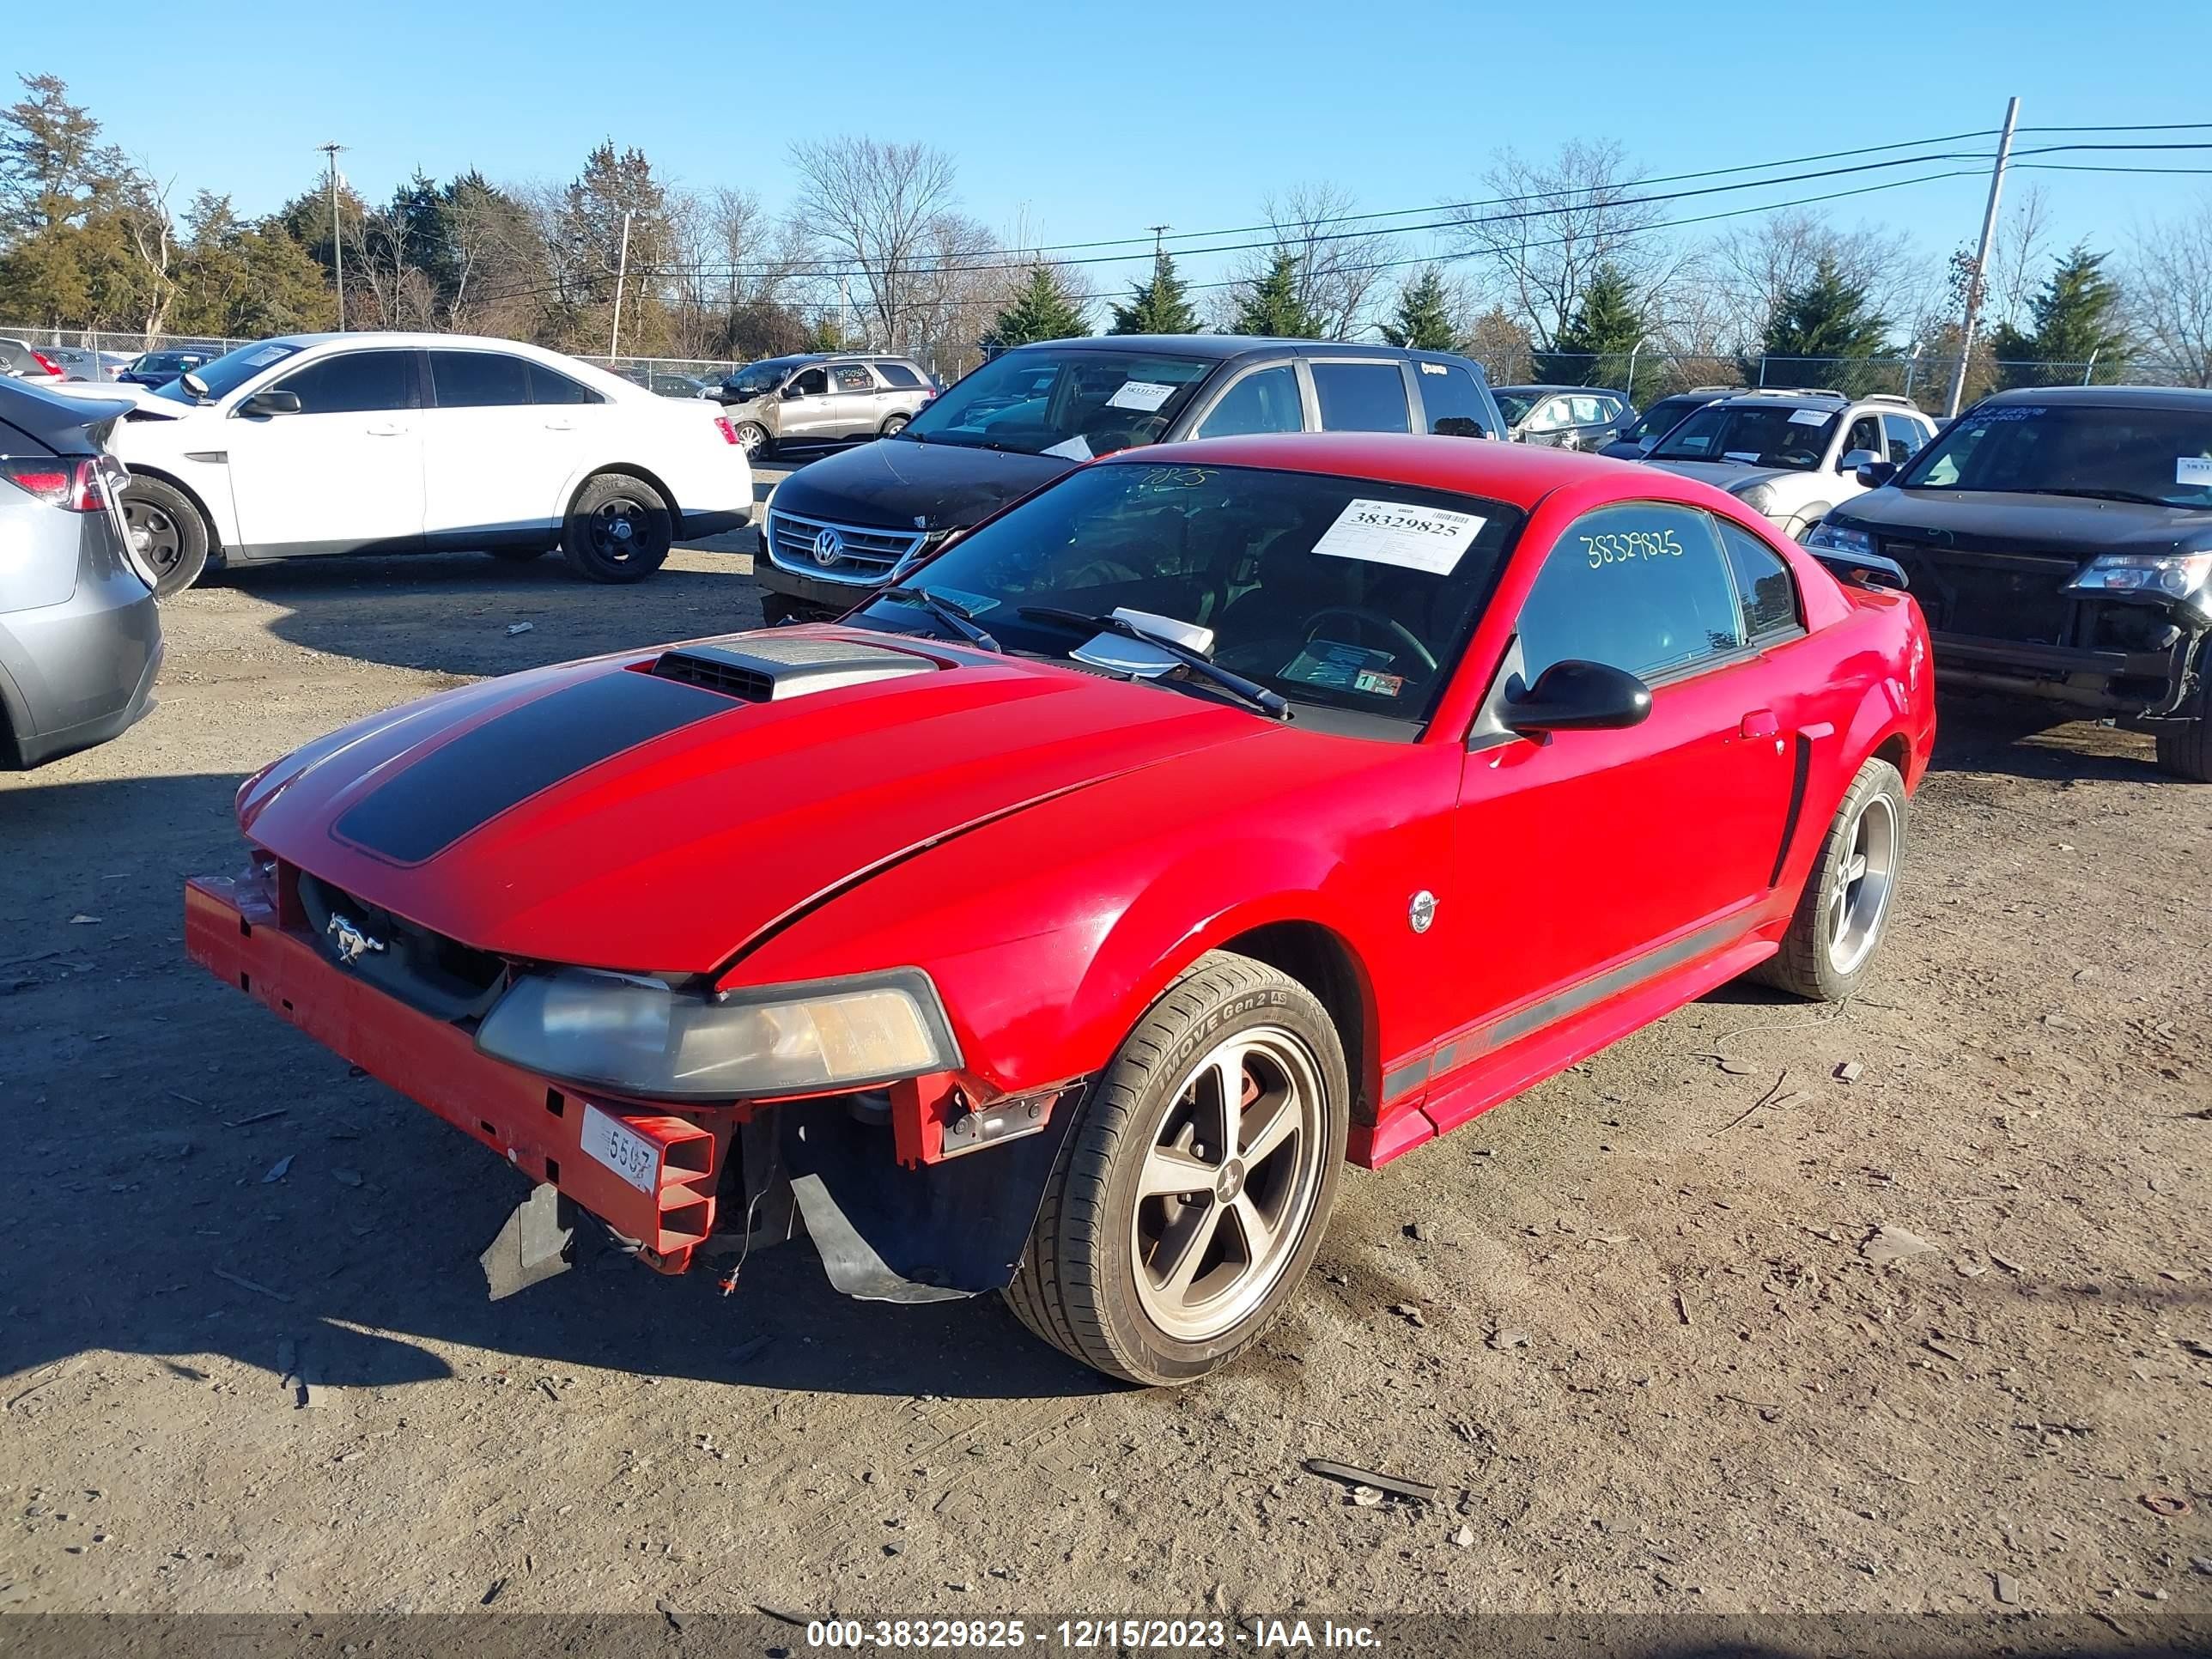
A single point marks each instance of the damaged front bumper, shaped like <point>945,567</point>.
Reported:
<point>910,1192</point>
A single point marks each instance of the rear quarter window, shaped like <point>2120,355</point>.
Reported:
<point>1451,403</point>
<point>1361,396</point>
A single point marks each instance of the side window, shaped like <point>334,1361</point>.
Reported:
<point>853,378</point>
<point>1865,434</point>
<point>1640,587</point>
<point>1590,411</point>
<point>478,380</point>
<point>810,382</point>
<point>1764,591</point>
<point>1907,437</point>
<point>1551,414</point>
<point>1451,402</point>
<point>551,387</point>
<point>1266,400</point>
<point>353,382</point>
<point>1360,397</point>
<point>899,375</point>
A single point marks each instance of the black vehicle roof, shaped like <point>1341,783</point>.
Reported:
<point>63,423</point>
<point>1224,348</point>
<point>2136,397</point>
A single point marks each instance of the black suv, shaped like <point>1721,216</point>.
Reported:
<point>841,526</point>
<point>2060,542</point>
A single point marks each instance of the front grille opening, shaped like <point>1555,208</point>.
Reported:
<point>426,970</point>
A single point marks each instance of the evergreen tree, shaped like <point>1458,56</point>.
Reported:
<point>1042,309</point>
<point>1594,348</point>
<point>1424,320</point>
<point>1820,333</point>
<point>2079,326</point>
<point>1272,307</point>
<point>1157,306</point>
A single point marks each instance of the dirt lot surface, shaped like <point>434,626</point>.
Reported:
<point>1628,1323</point>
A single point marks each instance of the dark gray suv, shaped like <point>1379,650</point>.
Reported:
<point>842,526</point>
<point>79,638</point>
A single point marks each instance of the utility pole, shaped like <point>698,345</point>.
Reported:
<point>337,236</point>
<point>1158,231</point>
<point>621,271</point>
<point>1981,260</point>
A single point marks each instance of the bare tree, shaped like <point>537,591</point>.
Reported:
<point>876,207</point>
<point>1745,272</point>
<point>1556,222</point>
<point>2019,258</point>
<point>1341,269</point>
<point>152,229</point>
<point>2170,277</point>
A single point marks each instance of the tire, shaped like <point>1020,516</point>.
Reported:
<point>620,530</point>
<point>2184,746</point>
<point>753,439</point>
<point>171,537</point>
<point>518,555</point>
<point>895,425</point>
<point>1087,1282</point>
<point>1838,924</point>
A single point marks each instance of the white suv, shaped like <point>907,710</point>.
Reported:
<point>401,443</point>
<point>1792,455</point>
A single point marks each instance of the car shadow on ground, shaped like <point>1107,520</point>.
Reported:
<point>2017,738</point>
<point>188,1176</point>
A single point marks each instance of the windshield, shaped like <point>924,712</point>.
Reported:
<point>2101,451</point>
<point>1762,434</point>
<point>754,379</point>
<point>1337,592</point>
<point>226,373</point>
<point>1515,404</point>
<point>1658,420</point>
<point>1040,401</point>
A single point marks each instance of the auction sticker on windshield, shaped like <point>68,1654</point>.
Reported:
<point>620,1148</point>
<point>1427,538</point>
<point>1809,417</point>
<point>2192,470</point>
<point>1145,395</point>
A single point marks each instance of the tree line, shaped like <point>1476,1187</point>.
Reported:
<point>875,249</point>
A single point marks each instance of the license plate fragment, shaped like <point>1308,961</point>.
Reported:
<point>622,1149</point>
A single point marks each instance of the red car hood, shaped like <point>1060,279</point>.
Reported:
<point>595,813</point>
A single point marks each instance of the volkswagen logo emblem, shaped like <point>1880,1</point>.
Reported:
<point>828,547</point>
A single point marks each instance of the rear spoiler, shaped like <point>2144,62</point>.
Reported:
<point>1862,569</point>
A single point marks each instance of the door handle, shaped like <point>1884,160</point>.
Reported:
<point>386,429</point>
<point>1759,723</point>
<point>560,426</point>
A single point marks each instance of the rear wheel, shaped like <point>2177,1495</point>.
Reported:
<point>896,425</point>
<point>753,439</point>
<point>1191,1194</point>
<point>2184,746</point>
<point>1844,907</point>
<point>168,533</point>
<point>619,531</point>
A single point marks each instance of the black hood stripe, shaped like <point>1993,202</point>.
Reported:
<point>467,782</point>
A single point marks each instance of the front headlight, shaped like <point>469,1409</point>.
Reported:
<point>1839,538</point>
<point>1759,497</point>
<point>2179,576</point>
<point>637,1036</point>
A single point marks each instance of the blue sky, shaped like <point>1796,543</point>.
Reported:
<point>1095,121</point>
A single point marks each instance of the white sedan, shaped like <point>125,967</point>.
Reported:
<point>402,443</point>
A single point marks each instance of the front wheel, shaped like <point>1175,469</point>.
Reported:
<point>168,534</point>
<point>1191,1194</point>
<point>2184,746</point>
<point>619,531</point>
<point>1842,914</point>
<point>894,426</point>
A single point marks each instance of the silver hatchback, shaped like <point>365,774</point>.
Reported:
<point>823,398</point>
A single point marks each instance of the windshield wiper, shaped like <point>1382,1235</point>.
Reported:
<point>1267,702</point>
<point>957,617</point>
<point>2106,495</point>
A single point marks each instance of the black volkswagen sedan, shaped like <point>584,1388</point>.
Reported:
<point>841,526</point>
<point>2059,541</point>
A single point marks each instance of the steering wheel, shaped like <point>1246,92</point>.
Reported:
<point>1388,624</point>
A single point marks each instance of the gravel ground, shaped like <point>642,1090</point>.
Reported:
<point>1628,1323</point>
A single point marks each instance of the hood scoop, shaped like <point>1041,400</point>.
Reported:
<point>770,670</point>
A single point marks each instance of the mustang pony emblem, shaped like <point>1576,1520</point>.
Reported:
<point>352,943</point>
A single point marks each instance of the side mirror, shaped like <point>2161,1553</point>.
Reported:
<point>271,403</point>
<point>795,390</point>
<point>1874,474</point>
<point>1579,697</point>
<point>1856,459</point>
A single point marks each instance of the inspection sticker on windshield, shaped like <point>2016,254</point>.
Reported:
<point>620,1148</point>
<point>1809,417</point>
<point>2195,470</point>
<point>1143,395</point>
<point>1430,538</point>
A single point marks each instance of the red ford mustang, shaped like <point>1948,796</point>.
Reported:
<point>1061,922</point>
